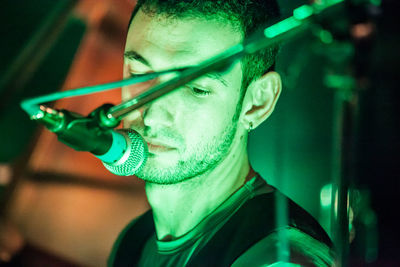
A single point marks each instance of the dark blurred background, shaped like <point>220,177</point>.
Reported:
<point>60,207</point>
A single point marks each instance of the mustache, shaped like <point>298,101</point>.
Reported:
<point>168,136</point>
<point>165,135</point>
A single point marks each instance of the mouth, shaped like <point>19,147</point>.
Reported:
<point>158,147</point>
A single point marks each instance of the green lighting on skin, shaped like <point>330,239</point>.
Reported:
<point>198,155</point>
<point>197,144</point>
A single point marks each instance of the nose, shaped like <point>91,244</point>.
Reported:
<point>128,92</point>
<point>161,113</point>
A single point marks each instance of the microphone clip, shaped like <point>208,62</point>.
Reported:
<point>91,133</point>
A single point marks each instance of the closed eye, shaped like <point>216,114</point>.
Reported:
<point>135,74</point>
<point>199,92</point>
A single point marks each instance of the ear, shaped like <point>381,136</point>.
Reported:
<point>260,99</point>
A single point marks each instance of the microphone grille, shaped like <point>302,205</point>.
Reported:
<point>134,157</point>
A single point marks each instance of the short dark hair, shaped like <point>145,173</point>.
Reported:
<point>249,15</point>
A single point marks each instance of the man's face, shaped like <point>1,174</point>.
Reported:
<point>189,131</point>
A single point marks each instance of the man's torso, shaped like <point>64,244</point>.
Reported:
<point>242,230</point>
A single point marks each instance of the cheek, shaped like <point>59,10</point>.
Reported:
<point>133,120</point>
<point>125,93</point>
<point>126,71</point>
<point>134,90</point>
<point>204,125</point>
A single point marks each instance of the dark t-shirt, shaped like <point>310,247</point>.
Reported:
<point>282,244</point>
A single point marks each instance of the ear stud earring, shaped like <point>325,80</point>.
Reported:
<point>250,126</point>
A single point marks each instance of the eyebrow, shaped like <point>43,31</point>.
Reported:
<point>132,55</point>
<point>216,76</point>
<point>135,56</point>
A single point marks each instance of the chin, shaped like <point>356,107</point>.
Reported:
<point>166,175</point>
<point>162,161</point>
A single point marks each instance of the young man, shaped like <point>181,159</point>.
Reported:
<point>208,207</point>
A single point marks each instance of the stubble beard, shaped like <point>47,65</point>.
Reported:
<point>195,161</point>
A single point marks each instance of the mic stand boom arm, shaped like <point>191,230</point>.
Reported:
<point>70,127</point>
<point>302,18</point>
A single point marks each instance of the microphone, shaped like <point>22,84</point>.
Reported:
<point>127,153</point>
<point>123,151</point>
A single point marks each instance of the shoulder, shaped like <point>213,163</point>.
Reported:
<point>287,246</point>
<point>253,234</point>
<point>299,241</point>
<point>277,211</point>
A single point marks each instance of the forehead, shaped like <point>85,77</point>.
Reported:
<point>168,42</point>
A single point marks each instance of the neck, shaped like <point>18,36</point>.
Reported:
<point>180,207</point>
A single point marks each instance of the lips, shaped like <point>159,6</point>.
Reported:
<point>155,146</point>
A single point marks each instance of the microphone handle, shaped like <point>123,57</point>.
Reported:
<point>79,132</point>
<point>123,152</point>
